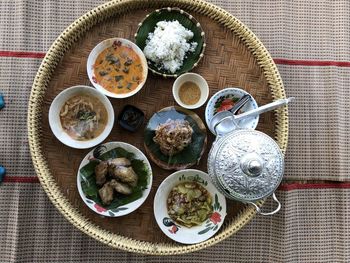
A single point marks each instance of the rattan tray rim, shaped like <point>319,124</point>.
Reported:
<point>46,70</point>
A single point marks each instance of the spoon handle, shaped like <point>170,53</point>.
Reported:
<point>268,107</point>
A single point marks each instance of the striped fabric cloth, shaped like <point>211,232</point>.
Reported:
<point>309,41</point>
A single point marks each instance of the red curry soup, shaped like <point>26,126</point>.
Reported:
<point>118,69</point>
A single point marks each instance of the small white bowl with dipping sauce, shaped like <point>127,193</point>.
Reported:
<point>117,67</point>
<point>103,126</point>
<point>190,90</point>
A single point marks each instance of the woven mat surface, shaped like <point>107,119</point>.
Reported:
<point>309,41</point>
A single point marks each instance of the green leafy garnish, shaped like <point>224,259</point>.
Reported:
<point>119,77</point>
<point>113,60</point>
<point>128,86</point>
<point>103,73</point>
<point>85,115</point>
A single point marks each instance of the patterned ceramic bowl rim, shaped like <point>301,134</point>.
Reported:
<point>180,233</point>
<point>250,123</point>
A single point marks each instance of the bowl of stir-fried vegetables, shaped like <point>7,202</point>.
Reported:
<point>188,208</point>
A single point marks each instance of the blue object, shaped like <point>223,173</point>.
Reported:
<point>2,102</point>
<point>2,173</point>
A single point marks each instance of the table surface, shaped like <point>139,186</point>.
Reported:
<point>309,41</point>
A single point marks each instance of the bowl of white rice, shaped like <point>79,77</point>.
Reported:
<point>172,40</point>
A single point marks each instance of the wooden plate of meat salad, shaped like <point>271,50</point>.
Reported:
<point>114,179</point>
<point>117,67</point>
<point>175,138</point>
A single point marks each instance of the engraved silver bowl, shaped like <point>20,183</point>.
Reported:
<point>246,165</point>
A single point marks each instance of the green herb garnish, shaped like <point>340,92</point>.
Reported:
<point>119,77</point>
<point>113,60</point>
<point>128,62</point>
<point>128,86</point>
<point>103,73</point>
<point>85,115</point>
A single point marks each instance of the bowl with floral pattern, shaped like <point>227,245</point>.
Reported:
<point>224,100</point>
<point>184,214</point>
<point>121,203</point>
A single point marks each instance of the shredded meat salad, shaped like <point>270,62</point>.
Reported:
<point>173,136</point>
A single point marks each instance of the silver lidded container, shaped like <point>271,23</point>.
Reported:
<point>246,165</point>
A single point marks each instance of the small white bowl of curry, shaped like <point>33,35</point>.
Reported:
<point>81,117</point>
<point>117,67</point>
<point>190,90</point>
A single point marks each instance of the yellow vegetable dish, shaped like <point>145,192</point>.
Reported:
<point>189,204</point>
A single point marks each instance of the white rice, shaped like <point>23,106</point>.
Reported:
<point>168,44</point>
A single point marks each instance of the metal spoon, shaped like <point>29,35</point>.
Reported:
<point>222,116</point>
<point>240,103</point>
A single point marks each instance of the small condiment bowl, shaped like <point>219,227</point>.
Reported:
<point>55,122</point>
<point>106,44</point>
<point>131,118</point>
<point>214,101</point>
<point>199,81</point>
<point>183,234</point>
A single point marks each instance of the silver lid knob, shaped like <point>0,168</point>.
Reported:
<point>254,167</point>
<point>252,164</point>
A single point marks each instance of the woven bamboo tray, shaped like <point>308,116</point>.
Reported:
<point>234,57</point>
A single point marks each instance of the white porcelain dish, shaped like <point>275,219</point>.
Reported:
<point>55,122</point>
<point>183,234</point>
<point>124,209</point>
<point>102,46</point>
<point>199,81</point>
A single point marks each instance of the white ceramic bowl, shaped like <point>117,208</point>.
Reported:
<point>102,46</point>
<point>124,209</point>
<point>55,122</point>
<point>197,79</point>
<point>184,234</point>
<point>248,123</point>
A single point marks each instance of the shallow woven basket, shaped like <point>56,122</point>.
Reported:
<point>45,73</point>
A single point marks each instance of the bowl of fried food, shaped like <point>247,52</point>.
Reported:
<point>114,179</point>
